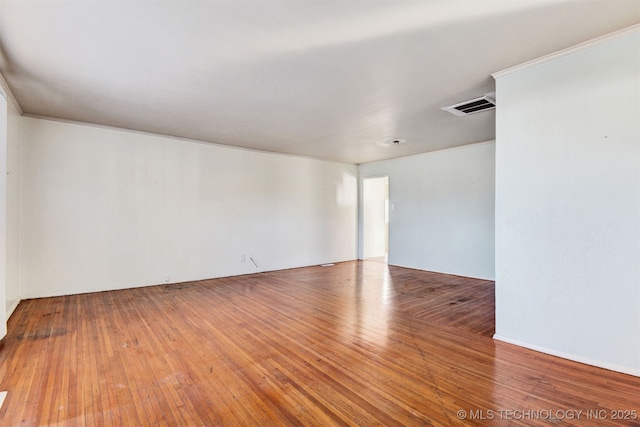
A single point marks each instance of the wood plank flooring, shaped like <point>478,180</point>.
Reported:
<point>358,343</point>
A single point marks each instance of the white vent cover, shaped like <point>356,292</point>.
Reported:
<point>483,103</point>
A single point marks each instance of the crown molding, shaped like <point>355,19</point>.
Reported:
<point>590,43</point>
<point>6,92</point>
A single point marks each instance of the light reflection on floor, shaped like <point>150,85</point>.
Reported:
<point>369,313</point>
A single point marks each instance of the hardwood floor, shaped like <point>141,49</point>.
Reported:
<point>358,343</point>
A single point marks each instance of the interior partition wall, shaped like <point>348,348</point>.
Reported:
<point>568,204</point>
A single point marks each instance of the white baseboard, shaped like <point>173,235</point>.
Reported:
<point>11,309</point>
<point>569,356</point>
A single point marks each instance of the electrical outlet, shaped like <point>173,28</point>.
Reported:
<point>243,258</point>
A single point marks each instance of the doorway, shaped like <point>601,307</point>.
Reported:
<point>375,219</point>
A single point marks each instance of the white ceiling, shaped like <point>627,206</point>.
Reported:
<point>328,79</point>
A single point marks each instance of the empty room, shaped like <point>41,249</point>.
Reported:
<point>267,213</point>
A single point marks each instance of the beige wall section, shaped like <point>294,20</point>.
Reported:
<point>107,209</point>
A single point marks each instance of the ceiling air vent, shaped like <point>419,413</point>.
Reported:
<point>483,103</point>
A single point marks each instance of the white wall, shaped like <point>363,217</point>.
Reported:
<point>14,138</point>
<point>3,214</point>
<point>10,138</point>
<point>442,216</point>
<point>107,209</point>
<point>568,206</point>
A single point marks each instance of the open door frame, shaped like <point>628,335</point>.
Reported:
<point>375,217</point>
